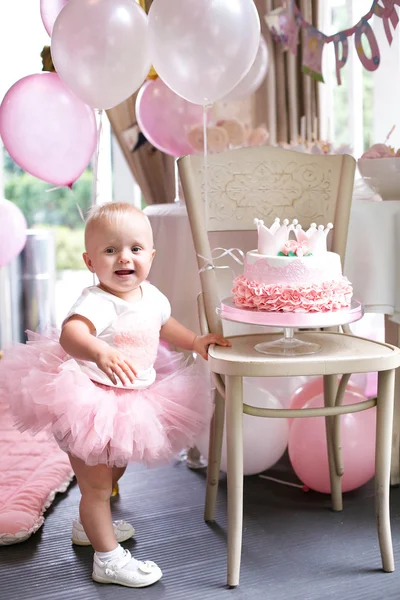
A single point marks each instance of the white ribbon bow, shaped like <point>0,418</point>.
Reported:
<point>209,262</point>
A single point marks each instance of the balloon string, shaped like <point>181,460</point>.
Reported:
<point>82,216</point>
<point>205,153</point>
<point>60,187</point>
<point>53,189</point>
<point>176,173</point>
<point>289,483</point>
<point>96,159</point>
<point>96,166</point>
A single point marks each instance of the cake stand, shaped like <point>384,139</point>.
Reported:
<point>289,345</point>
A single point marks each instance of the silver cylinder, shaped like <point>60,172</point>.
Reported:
<point>11,309</point>
<point>27,289</point>
<point>38,276</point>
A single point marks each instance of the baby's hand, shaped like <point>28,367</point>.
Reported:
<point>201,343</point>
<point>116,366</point>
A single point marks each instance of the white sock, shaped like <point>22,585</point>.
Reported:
<point>112,555</point>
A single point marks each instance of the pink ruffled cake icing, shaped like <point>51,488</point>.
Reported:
<point>324,297</point>
<point>287,275</point>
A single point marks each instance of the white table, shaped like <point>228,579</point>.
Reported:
<point>372,261</point>
<point>372,265</point>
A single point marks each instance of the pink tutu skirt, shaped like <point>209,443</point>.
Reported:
<point>46,390</point>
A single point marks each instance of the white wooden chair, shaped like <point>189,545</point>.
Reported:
<point>269,182</point>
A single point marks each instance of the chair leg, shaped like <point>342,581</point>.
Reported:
<point>330,390</point>
<point>234,439</point>
<point>214,457</point>
<point>384,426</point>
<point>395,464</point>
<point>392,336</point>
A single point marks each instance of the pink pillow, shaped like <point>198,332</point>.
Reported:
<point>33,470</point>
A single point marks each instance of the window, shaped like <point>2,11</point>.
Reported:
<point>23,38</point>
<point>364,108</point>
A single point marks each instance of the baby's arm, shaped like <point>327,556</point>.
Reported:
<point>176,334</point>
<point>78,339</point>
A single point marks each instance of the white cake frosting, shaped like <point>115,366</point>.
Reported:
<point>292,270</point>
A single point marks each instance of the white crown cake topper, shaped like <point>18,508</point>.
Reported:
<point>315,237</point>
<point>272,240</point>
<point>275,240</point>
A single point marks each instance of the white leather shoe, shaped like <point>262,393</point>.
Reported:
<point>123,531</point>
<point>126,571</point>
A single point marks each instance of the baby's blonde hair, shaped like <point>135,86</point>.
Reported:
<point>111,212</point>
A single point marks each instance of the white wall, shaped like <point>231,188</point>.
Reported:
<point>387,87</point>
<point>22,37</point>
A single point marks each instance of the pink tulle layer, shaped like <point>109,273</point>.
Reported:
<point>325,297</point>
<point>46,390</point>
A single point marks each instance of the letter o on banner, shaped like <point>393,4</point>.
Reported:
<point>371,64</point>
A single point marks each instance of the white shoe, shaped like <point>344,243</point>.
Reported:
<point>123,531</point>
<point>126,570</point>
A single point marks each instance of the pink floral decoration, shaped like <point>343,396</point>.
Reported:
<point>325,297</point>
<point>298,248</point>
<point>289,246</point>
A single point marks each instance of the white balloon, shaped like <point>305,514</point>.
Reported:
<point>254,77</point>
<point>100,49</point>
<point>203,48</point>
<point>282,388</point>
<point>264,440</point>
<point>49,11</point>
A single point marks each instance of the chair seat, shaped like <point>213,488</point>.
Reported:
<point>340,353</point>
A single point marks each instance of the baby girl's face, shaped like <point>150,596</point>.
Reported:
<point>120,253</point>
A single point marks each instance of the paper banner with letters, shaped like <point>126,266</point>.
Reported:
<point>285,24</point>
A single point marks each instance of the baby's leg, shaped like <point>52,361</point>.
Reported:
<point>117,473</point>
<point>95,484</point>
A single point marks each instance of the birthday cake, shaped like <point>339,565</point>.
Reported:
<point>292,271</point>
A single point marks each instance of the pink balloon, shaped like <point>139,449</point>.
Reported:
<point>360,380</point>
<point>47,130</point>
<point>12,231</point>
<point>100,49</point>
<point>312,388</point>
<point>371,389</point>
<point>49,11</point>
<point>308,449</point>
<point>165,118</point>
